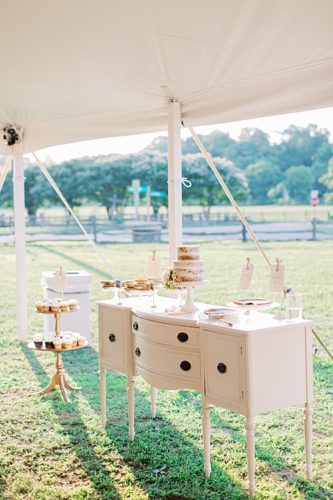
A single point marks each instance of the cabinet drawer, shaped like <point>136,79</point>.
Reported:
<point>162,333</point>
<point>112,338</point>
<point>167,361</point>
<point>224,368</point>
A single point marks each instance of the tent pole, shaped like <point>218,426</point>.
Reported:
<point>19,218</point>
<point>174,179</point>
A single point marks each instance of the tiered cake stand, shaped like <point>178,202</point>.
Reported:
<point>59,378</point>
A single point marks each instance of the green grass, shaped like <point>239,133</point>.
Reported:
<point>53,450</point>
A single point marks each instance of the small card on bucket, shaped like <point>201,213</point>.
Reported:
<point>60,280</point>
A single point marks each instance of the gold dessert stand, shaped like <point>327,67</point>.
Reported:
<point>59,378</point>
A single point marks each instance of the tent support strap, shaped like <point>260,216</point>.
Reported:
<point>174,179</point>
<point>20,239</point>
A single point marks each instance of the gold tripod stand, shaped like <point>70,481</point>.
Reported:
<point>59,378</point>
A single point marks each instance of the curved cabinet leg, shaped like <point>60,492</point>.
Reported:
<point>130,398</point>
<point>153,396</point>
<point>250,428</point>
<point>206,435</point>
<point>308,411</point>
<point>102,394</point>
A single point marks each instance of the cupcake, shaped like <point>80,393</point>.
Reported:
<point>39,306</point>
<point>76,337</point>
<point>46,306</point>
<point>48,338</point>
<point>63,305</point>
<point>67,342</point>
<point>38,341</point>
<point>73,304</point>
<point>57,342</point>
<point>55,306</point>
<point>81,341</point>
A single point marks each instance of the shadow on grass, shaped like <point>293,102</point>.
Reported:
<point>165,463</point>
<point>74,427</point>
<point>310,489</point>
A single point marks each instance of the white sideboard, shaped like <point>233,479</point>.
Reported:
<point>257,365</point>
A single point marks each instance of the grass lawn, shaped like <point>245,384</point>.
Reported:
<point>53,450</point>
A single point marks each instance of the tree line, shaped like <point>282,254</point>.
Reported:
<point>256,170</point>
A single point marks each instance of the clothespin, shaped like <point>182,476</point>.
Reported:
<point>248,261</point>
<point>154,254</point>
<point>278,262</point>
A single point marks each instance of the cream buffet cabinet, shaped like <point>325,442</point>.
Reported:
<point>257,365</point>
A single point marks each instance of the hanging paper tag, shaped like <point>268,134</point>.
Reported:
<point>153,268</point>
<point>246,276</point>
<point>60,280</point>
<point>277,277</point>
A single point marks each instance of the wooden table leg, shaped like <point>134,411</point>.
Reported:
<point>102,394</point>
<point>308,411</point>
<point>250,440</point>
<point>206,435</point>
<point>130,398</point>
<point>153,401</point>
<point>59,379</point>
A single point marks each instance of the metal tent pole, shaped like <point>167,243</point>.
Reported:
<point>174,179</point>
<point>19,218</point>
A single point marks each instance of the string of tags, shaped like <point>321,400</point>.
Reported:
<point>276,279</point>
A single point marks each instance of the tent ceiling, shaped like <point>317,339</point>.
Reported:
<point>83,69</point>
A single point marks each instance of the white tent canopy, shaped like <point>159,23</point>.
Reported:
<point>76,70</point>
<point>73,70</point>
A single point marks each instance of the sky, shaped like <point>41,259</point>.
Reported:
<point>132,144</point>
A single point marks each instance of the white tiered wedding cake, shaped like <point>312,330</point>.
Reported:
<point>188,267</point>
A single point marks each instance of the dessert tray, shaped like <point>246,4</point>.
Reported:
<point>129,286</point>
<point>66,343</point>
<point>256,304</point>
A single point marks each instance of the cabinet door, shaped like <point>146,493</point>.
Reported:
<point>224,370</point>
<point>112,342</point>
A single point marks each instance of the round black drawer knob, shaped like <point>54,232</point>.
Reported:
<point>137,352</point>
<point>112,337</point>
<point>185,366</point>
<point>135,326</point>
<point>221,368</point>
<point>182,337</point>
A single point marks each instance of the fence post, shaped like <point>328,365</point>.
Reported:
<point>244,239</point>
<point>94,227</point>
<point>314,229</point>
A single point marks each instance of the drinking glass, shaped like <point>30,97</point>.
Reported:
<point>294,305</point>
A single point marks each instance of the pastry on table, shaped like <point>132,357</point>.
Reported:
<point>48,338</point>
<point>39,306</point>
<point>73,304</point>
<point>64,306</point>
<point>57,342</point>
<point>81,341</point>
<point>38,340</point>
<point>67,342</point>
